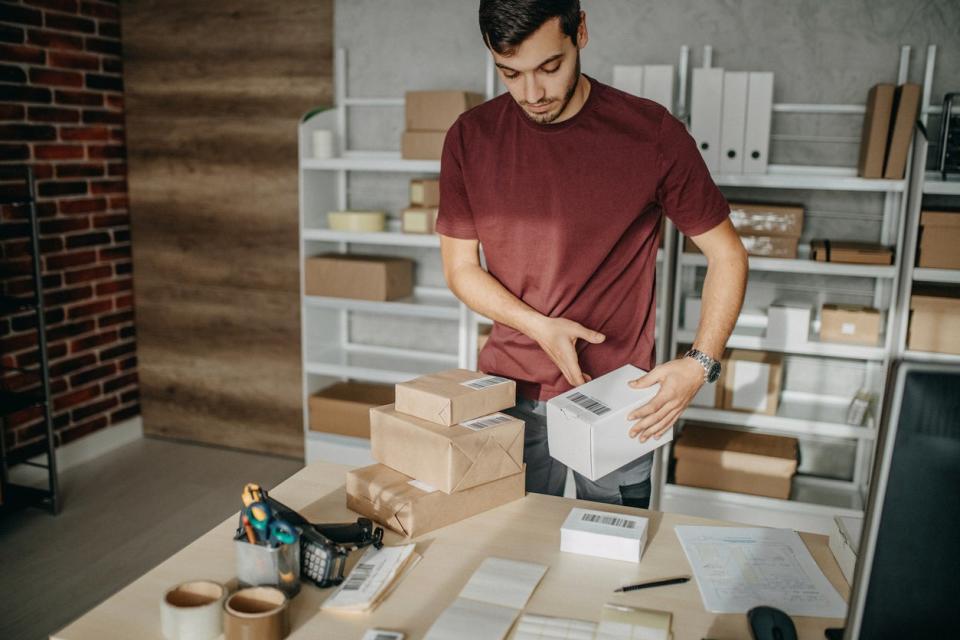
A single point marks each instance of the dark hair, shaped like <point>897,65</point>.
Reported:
<point>506,23</point>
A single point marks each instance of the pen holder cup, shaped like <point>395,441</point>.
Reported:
<point>261,565</point>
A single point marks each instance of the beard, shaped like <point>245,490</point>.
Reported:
<point>550,116</point>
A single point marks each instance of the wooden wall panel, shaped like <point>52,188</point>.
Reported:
<point>214,92</point>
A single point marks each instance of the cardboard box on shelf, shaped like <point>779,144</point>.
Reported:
<point>850,252</point>
<point>754,219</point>
<point>751,381</point>
<point>362,277</point>
<point>360,221</point>
<point>939,239</point>
<point>422,145</point>
<point>437,110</point>
<point>876,131</point>
<point>452,396</point>
<point>425,192</point>
<point>851,323</point>
<point>587,427</point>
<point>788,324</point>
<point>344,407</point>
<point>934,320</point>
<point>761,246</point>
<point>728,460</point>
<point>450,458</point>
<point>412,508</point>
<point>419,220</point>
<point>604,534</point>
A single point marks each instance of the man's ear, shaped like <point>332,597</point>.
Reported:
<point>582,31</point>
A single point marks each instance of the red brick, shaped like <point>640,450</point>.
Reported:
<point>121,235</point>
<point>120,382</point>
<point>111,220</point>
<point>72,433</point>
<point>42,171</point>
<point>124,302</point>
<point>14,152</point>
<point>23,417</point>
<point>69,365</point>
<point>77,170</point>
<point>105,152</point>
<point>115,253</point>
<point>90,375</point>
<point>11,132</point>
<point>103,82</point>
<point>96,340</point>
<point>63,296</point>
<point>56,77</point>
<point>73,60</point>
<point>53,40</point>
<point>21,15</point>
<point>12,112</point>
<point>84,133</point>
<point>64,260</point>
<point>94,116</point>
<point>90,273</point>
<point>129,363</point>
<point>64,225</point>
<point>117,135</point>
<point>58,152</point>
<point>100,10</point>
<point>113,65</point>
<point>84,98</point>
<point>66,6</point>
<point>117,351</point>
<point>125,414</point>
<point>106,46</point>
<point>88,239</point>
<point>74,398</point>
<point>62,187</point>
<point>70,23</point>
<point>109,29</point>
<point>53,114</point>
<point>115,318</point>
<point>70,330</point>
<point>90,309</point>
<point>119,202</point>
<point>117,169</point>
<point>21,53</point>
<point>84,412</point>
<point>14,35</point>
<point>85,205</point>
<point>114,286</point>
<point>31,358</point>
<point>108,186</point>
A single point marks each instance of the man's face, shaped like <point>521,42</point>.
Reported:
<point>542,72</point>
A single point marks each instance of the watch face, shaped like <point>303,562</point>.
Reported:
<point>714,372</point>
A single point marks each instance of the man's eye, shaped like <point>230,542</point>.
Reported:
<point>554,70</point>
<point>510,76</point>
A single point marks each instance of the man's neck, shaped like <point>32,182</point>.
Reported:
<point>579,98</point>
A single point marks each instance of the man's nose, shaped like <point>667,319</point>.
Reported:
<point>533,92</point>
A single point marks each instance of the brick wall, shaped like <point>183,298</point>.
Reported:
<point>61,111</point>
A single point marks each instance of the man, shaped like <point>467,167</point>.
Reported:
<point>564,181</point>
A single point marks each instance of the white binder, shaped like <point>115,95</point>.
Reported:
<point>733,123</point>
<point>756,145</point>
<point>628,78</point>
<point>705,105</point>
<point>658,84</point>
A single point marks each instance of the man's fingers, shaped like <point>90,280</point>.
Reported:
<point>651,420</point>
<point>648,409</point>
<point>591,336</point>
<point>646,381</point>
<point>660,427</point>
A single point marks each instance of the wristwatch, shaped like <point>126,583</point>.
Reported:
<point>711,368</point>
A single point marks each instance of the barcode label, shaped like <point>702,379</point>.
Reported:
<point>486,421</point>
<point>483,383</point>
<point>358,576</point>
<point>592,405</point>
<point>380,634</point>
<point>610,521</point>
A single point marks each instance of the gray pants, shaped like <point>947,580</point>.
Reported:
<point>629,485</point>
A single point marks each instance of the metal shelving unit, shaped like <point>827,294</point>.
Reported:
<point>37,391</point>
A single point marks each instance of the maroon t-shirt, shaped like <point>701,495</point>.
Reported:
<point>568,216</point>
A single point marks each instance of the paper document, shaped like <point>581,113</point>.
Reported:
<point>619,622</point>
<point>532,627</point>
<point>489,602</point>
<point>372,578</point>
<point>741,568</point>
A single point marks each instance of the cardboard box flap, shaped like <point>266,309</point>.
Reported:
<point>940,219</point>
<point>851,308</point>
<point>475,462</point>
<point>385,493</point>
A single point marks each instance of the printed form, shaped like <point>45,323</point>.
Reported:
<point>741,568</point>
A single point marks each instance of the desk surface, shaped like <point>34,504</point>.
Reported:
<point>529,529</point>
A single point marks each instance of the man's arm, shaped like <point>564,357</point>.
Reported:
<point>484,294</point>
<point>722,298</point>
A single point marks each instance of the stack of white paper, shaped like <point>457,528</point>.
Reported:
<point>371,579</point>
<point>603,534</point>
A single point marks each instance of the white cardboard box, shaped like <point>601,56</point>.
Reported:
<point>845,542</point>
<point>587,427</point>
<point>788,324</point>
<point>616,536</point>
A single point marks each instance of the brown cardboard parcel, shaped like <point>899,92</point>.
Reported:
<point>767,219</point>
<point>935,321</point>
<point>437,110</point>
<point>455,395</point>
<point>425,192</point>
<point>850,252</point>
<point>419,220</point>
<point>422,145</point>
<point>761,246</point>
<point>447,458</point>
<point>751,381</point>
<point>726,460</point>
<point>361,277</point>
<point>404,505</point>
<point>344,407</point>
<point>939,239</point>
<point>849,323</point>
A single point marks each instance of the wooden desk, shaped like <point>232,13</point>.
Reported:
<point>529,529</point>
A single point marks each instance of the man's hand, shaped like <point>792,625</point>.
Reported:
<point>679,380</point>
<point>558,338</point>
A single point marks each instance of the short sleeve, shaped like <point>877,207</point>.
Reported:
<point>455,218</point>
<point>686,192</point>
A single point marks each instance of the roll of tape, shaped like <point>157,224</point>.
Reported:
<point>193,611</point>
<point>257,613</point>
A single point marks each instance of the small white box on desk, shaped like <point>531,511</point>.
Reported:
<point>616,536</point>
<point>587,427</point>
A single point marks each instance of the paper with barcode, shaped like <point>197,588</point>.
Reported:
<point>492,420</point>
<point>484,382</point>
<point>370,579</point>
<point>741,568</point>
<point>534,627</point>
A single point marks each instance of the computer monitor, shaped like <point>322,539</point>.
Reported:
<point>907,580</point>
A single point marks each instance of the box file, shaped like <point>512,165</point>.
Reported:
<point>733,121</point>
<point>705,114</point>
<point>756,139</point>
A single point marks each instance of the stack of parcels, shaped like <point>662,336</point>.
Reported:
<point>445,453</point>
<point>934,319</point>
<point>421,215</point>
<point>768,230</point>
<point>428,116</point>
